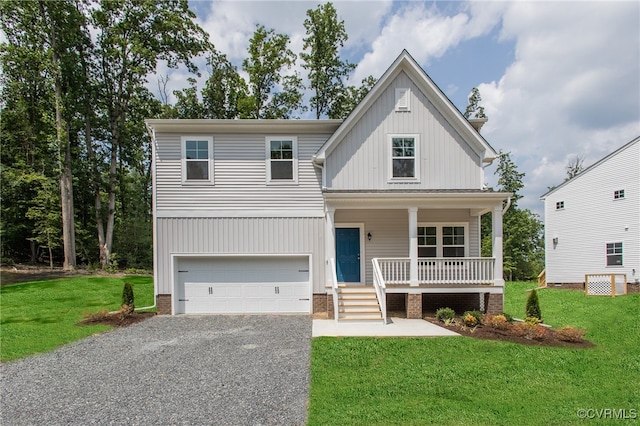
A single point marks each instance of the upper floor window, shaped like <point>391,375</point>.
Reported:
<point>619,194</point>
<point>404,157</point>
<point>442,241</point>
<point>614,254</point>
<point>197,159</point>
<point>282,159</point>
<point>559,205</point>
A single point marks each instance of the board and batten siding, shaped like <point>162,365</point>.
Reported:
<point>240,235</point>
<point>389,230</point>
<point>361,159</point>
<point>240,176</point>
<point>591,218</point>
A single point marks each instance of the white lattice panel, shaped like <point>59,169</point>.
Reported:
<point>602,285</point>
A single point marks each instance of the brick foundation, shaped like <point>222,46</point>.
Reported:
<point>319,303</point>
<point>414,305</point>
<point>163,304</point>
<point>330,311</point>
<point>495,304</point>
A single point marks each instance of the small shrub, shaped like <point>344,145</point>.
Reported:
<point>570,334</point>
<point>533,305</point>
<point>476,314</point>
<point>128,304</point>
<point>532,320</point>
<point>445,315</point>
<point>469,320</point>
<point>531,332</point>
<point>499,322</point>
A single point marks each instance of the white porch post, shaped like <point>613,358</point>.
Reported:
<point>496,230</point>
<point>413,246</point>
<point>330,242</point>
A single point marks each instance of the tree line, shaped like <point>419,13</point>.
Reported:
<point>75,173</point>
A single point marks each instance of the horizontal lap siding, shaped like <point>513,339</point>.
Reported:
<point>240,176</point>
<point>272,235</point>
<point>361,160</point>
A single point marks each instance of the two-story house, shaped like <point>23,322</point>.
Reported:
<point>302,216</point>
<point>592,222</point>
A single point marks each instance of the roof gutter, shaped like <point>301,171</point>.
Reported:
<point>504,210</point>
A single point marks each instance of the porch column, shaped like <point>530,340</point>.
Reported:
<point>413,246</point>
<point>330,243</point>
<point>496,230</point>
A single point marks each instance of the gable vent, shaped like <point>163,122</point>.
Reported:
<point>402,100</point>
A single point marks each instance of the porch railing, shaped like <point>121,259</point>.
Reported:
<point>379,286</point>
<point>438,270</point>
<point>334,284</point>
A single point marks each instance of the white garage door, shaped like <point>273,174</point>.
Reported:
<point>257,284</point>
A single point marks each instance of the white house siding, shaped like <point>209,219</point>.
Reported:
<point>361,160</point>
<point>239,235</point>
<point>591,218</point>
<point>240,176</point>
<point>390,229</point>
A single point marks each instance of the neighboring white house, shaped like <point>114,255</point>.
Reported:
<point>592,221</point>
<point>255,216</point>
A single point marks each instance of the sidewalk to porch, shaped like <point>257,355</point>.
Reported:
<point>397,327</point>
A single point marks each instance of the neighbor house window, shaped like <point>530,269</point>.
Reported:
<point>282,153</point>
<point>560,205</point>
<point>619,194</point>
<point>442,240</point>
<point>614,254</point>
<point>404,157</point>
<point>197,159</point>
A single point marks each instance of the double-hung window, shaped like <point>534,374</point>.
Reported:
<point>404,157</point>
<point>614,254</point>
<point>197,159</point>
<point>282,159</point>
<point>442,240</point>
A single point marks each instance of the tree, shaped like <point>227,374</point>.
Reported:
<point>474,110</point>
<point>269,57</point>
<point>574,167</point>
<point>349,97</point>
<point>224,89</point>
<point>325,36</point>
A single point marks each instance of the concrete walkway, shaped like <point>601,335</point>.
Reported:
<point>397,327</point>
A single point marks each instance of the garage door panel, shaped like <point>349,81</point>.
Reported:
<point>252,284</point>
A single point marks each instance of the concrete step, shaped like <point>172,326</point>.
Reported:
<point>352,296</point>
<point>358,302</point>
<point>358,289</point>
<point>359,309</point>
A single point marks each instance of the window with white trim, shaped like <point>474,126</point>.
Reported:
<point>619,194</point>
<point>404,157</point>
<point>442,240</point>
<point>282,159</point>
<point>197,159</point>
<point>614,254</point>
<point>560,205</point>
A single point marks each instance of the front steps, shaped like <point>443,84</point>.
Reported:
<point>358,303</point>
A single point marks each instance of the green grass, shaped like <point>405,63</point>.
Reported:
<point>463,381</point>
<point>42,315</point>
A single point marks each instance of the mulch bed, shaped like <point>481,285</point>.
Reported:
<point>117,319</point>
<point>551,337</point>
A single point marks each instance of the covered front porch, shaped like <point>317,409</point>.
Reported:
<point>414,244</point>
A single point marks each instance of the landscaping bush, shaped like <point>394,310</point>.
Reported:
<point>477,315</point>
<point>533,306</point>
<point>128,305</point>
<point>570,334</point>
<point>445,315</point>
<point>531,331</point>
<point>469,320</point>
<point>499,322</point>
<point>532,321</point>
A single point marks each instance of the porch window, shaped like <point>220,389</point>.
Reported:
<point>614,254</point>
<point>197,159</point>
<point>442,240</point>
<point>404,157</point>
<point>282,160</point>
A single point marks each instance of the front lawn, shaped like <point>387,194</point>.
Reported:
<point>462,380</point>
<point>42,315</point>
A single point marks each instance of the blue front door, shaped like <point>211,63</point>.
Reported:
<point>348,254</point>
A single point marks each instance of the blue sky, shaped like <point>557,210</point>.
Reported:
<point>557,78</point>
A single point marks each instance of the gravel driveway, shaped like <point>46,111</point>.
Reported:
<point>191,370</point>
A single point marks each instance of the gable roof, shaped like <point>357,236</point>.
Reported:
<point>405,62</point>
<point>591,167</point>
